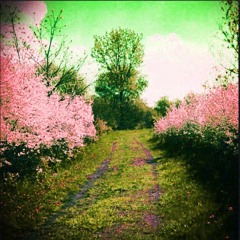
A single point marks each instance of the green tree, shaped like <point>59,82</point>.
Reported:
<point>59,63</point>
<point>119,53</point>
<point>162,106</point>
<point>70,82</point>
<point>139,115</point>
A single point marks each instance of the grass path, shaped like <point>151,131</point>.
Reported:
<point>135,192</point>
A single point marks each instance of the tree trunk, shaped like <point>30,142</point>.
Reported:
<point>121,111</point>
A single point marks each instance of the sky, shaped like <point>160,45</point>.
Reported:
<point>178,38</point>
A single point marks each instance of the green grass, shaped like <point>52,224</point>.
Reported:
<point>116,205</point>
<point>117,200</point>
<point>26,205</point>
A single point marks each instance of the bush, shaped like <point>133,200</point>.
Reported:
<point>205,131</point>
<point>136,114</point>
<point>24,162</point>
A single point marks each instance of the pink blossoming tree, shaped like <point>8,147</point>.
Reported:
<point>28,114</point>
<point>217,108</point>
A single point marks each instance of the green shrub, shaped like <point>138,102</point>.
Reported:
<point>136,114</point>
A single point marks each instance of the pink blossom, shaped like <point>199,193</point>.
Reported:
<point>216,108</point>
<point>29,115</point>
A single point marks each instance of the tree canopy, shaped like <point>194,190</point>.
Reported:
<point>162,106</point>
<point>119,53</point>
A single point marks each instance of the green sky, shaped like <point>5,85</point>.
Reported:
<point>195,21</point>
<point>177,37</point>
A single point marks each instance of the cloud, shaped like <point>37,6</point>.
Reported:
<point>174,67</point>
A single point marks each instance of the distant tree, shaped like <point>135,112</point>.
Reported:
<point>162,106</point>
<point>103,109</point>
<point>119,53</point>
<point>139,115</point>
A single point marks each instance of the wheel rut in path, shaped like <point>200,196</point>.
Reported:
<point>88,184</point>
<point>154,193</point>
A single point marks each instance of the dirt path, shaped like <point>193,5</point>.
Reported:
<point>125,187</point>
<point>154,193</point>
<point>116,202</point>
<point>83,190</point>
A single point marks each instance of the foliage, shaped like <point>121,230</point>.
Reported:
<point>138,114</point>
<point>208,124</point>
<point>217,107</point>
<point>104,110</point>
<point>119,53</point>
<point>177,103</point>
<point>107,86</point>
<point>28,114</point>
<point>162,106</point>
<point>38,131</point>
<point>205,131</point>
<point>61,67</point>
<point>71,83</point>
<point>25,162</point>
